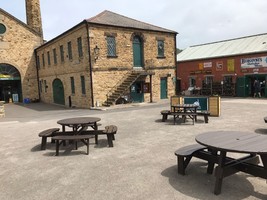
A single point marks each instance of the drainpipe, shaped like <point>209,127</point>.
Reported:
<point>90,63</point>
<point>175,61</point>
<point>37,73</point>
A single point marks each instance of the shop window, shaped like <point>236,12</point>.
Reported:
<point>192,82</point>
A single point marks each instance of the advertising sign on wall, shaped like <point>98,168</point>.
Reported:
<point>231,65</point>
<point>256,62</point>
<point>219,66</point>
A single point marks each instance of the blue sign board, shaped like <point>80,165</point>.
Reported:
<point>201,101</point>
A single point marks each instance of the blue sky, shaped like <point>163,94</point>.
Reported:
<point>196,21</point>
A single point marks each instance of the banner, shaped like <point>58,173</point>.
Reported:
<point>256,62</point>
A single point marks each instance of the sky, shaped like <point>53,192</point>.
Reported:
<point>196,21</point>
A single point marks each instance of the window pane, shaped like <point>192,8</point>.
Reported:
<point>70,50</point>
<point>48,58</point>
<point>72,85</point>
<point>83,84</point>
<point>80,49</point>
<point>61,53</point>
<point>55,56</point>
<point>111,46</point>
<point>160,48</point>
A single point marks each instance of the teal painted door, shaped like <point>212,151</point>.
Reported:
<point>136,92</point>
<point>58,92</point>
<point>163,88</point>
<point>137,52</point>
<point>242,86</point>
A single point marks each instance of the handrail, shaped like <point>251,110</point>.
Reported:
<point>117,84</point>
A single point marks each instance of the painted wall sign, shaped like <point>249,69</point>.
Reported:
<point>255,62</point>
<point>231,65</point>
<point>207,64</point>
<point>219,66</point>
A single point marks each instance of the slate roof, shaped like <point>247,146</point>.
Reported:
<point>113,19</point>
<point>238,46</point>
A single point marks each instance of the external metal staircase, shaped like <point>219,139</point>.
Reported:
<point>122,87</point>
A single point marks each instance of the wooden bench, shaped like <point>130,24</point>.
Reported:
<point>47,133</point>
<point>61,138</point>
<point>109,131</point>
<point>206,115</point>
<point>165,114</point>
<point>184,155</point>
<point>184,115</point>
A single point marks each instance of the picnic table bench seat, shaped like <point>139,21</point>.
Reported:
<point>61,138</point>
<point>184,155</point>
<point>165,114</point>
<point>204,113</point>
<point>47,133</point>
<point>109,131</point>
<point>183,114</point>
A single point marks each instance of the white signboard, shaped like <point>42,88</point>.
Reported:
<point>256,62</point>
<point>207,64</point>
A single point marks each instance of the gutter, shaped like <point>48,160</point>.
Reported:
<point>90,64</point>
<point>37,71</point>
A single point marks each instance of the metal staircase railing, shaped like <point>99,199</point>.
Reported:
<point>121,87</point>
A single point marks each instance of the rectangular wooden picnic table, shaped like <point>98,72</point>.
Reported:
<point>184,110</point>
<point>220,143</point>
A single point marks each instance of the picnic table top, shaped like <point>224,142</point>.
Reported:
<point>234,141</point>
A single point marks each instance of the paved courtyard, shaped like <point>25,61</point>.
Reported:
<point>140,166</point>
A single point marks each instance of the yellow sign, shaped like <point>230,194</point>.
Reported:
<point>200,66</point>
<point>5,76</point>
<point>231,65</point>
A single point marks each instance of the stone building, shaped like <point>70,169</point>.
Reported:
<point>104,57</point>
<point>18,40</point>
<point>92,64</point>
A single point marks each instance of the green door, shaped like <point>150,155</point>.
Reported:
<point>137,94</point>
<point>58,92</point>
<point>163,88</point>
<point>243,88</point>
<point>137,52</point>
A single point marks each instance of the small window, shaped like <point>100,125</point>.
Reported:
<point>83,84</point>
<point>48,58</point>
<point>111,46</point>
<point>72,85</point>
<point>80,47</point>
<point>70,50</point>
<point>45,86</point>
<point>55,56</point>
<point>61,53</point>
<point>160,48</point>
<point>40,86</point>
<point>43,59</point>
<point>2,28</point>
<point>38,62</point>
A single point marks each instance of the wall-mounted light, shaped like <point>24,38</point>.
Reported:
<point>96,52</point>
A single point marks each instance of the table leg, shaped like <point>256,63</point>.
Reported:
<point>96,136</point>
<point>210,163</point>
<point>219,173</point>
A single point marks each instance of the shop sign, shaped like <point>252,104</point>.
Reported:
<point>231,65</point>
<point>192,73</point>
<point>207,64</point>
<point>198,72</point>
<point>200,66</point>
<point>219,66</point>
<point>208,71</point>
<point>255,62</point>
<point>244,70</point>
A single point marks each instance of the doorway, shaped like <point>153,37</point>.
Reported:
<point>163,88</point>
<point>137,52</point>
<point>58,92</point>
<point>137,94</point>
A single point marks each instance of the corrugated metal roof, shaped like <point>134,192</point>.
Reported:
<point>113,19</point>
<point>238,46</point>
